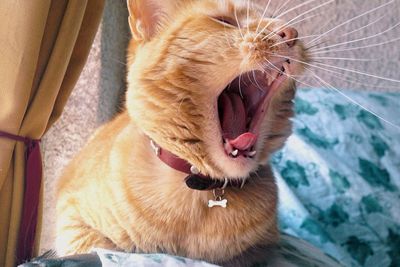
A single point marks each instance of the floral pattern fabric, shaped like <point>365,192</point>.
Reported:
<point>339,176</point>
<point>119,259</point>
<point>293,252</point>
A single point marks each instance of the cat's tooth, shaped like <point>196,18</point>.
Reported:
<point>252,153</point>
<point>272,76</point>
<point>276,74</point>
<point>287,68</point>
<point>235,152</point>
<point>268,81</point>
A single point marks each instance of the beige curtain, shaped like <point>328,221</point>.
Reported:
<point>43,47</point>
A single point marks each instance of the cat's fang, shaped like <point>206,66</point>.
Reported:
<point>252,153</point>
<point>286,67</point>
<point>270,79</point>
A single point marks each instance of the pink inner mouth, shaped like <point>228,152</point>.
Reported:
<point>241,107</point>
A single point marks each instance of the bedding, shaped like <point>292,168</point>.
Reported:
<point>338,177</point>
<point>293,252</point>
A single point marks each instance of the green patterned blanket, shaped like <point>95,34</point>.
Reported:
<point>339,176</point>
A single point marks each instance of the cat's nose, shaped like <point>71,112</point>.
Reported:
<point>289,35</point>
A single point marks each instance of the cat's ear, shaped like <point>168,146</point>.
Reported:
<point>145,16</point>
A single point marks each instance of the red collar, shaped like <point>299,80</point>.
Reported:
<point>194,180</point>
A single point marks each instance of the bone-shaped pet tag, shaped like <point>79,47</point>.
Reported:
<point>217,203</point>
<point>218,196</point>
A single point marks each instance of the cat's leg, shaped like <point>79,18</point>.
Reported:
<point>74,236</point>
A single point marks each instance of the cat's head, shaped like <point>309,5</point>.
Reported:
<point>204,81</point>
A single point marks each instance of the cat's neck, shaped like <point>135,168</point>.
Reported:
<point>156,176</point>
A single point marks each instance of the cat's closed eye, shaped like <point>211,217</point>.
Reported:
<point>226,20</point>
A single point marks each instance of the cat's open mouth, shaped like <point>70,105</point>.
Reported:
<point>243,105</point>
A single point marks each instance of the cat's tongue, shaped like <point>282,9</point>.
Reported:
<point>233,122</point>
<point>243,141</point>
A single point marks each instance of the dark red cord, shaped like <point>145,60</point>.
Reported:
<point>33,179</point>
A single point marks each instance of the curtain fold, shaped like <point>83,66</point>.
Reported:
<point>43,47</point>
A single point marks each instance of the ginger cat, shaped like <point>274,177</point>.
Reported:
<point>208,81</point>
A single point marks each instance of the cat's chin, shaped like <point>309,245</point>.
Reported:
<point>234,168</point>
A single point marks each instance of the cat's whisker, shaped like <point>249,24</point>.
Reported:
<point>257,84</point>
<point>287,57</point>
<point>237,22</point>
<point>303,19</point>
<point>270,66</point>
<point>363,27</point>
<point>315,45</point>
<point>255,80</point>
<point>339,68</point>
<point>262,17</point>
<point>348,21</point>
<point>267,68</point>
<point>347,59</point>
<point>321,29</point>
<point>270,77</point>
<point>298,16</point>
<point>274,15</point>
<point>293,8</point>
<point>355,48</point>
<point>293,39</point>
<point>287,75</point>
<point>294,23</point>
<point>361,73</point>
<point>340,76</point>
<point>351,79</point>
<point>290,25</point>
<point>343,35</point>
<point>352,100</point>
<point>240,89</point>
<point>248,78</point>
<point>321,81</point>
<point>359,39</point>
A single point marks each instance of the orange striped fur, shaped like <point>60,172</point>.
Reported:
<point>117,194</point>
